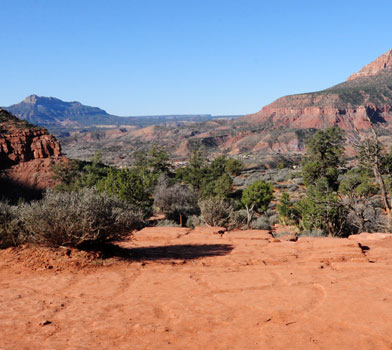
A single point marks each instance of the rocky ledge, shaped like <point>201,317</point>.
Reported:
<point>23,142</point>
<point>27,152</point>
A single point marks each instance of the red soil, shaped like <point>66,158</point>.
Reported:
<point>172,288</point>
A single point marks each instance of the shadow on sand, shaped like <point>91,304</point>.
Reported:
<point>180,251</point>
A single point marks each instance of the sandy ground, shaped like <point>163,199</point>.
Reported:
<point>172,288</point>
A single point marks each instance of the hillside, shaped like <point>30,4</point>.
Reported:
<point>347,105</point>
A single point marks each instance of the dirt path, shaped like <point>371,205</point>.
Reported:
<point>176,289</point>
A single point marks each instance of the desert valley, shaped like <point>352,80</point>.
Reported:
<point>190,175</point>
<point>261,231</point>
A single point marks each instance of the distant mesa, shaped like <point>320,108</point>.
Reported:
<point>55,114</point>
<point>50,111</point>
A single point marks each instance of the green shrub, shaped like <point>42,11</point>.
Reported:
<point>287,212</point>
<point>78,218</point>
<point>234,166</point>
<point>256,198</point>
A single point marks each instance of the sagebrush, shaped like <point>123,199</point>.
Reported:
<point>77,218</point>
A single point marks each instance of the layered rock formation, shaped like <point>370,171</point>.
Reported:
<point>22,142</point>
<point>27,152</point>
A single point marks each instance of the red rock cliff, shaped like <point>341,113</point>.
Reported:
<point>22,142</point>
<point>27,152</point>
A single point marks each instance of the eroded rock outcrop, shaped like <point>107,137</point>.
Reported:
<point>27,152</point>
<point>22,142</point>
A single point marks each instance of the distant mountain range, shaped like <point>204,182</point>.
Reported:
<point>55,114</point>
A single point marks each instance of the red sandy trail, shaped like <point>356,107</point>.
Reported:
<point>172,288</point>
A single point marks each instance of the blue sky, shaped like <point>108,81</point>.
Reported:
<point>182,56</point>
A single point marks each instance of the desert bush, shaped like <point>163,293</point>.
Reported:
<point>282,175</point>
<point>313,233</point>
<point>239,181</point>
<point>286,210</point>
<point>363,217</point>
<point>78,218</point>
<point>174,200</point>
<point>270,212</point>
<point>292,188</point>
<point>281,186</point>
<point>261,223</point>
<point>273,219</point>
<point>376,202</point>
<point>299,181</point>
<point>216,211</point>
<point>239,218</point>
<point>10,226</point>
<point>167,223</point>
<point>194,221</point>
<point>234,166</point>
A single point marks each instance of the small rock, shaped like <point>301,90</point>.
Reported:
<point>45,323</point>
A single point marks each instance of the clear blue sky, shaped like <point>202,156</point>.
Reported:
<point>185,56</point>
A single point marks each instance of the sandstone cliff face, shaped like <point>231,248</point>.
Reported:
<point>20,142</point>
<point>350,118</point>
<point>27,152</point>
